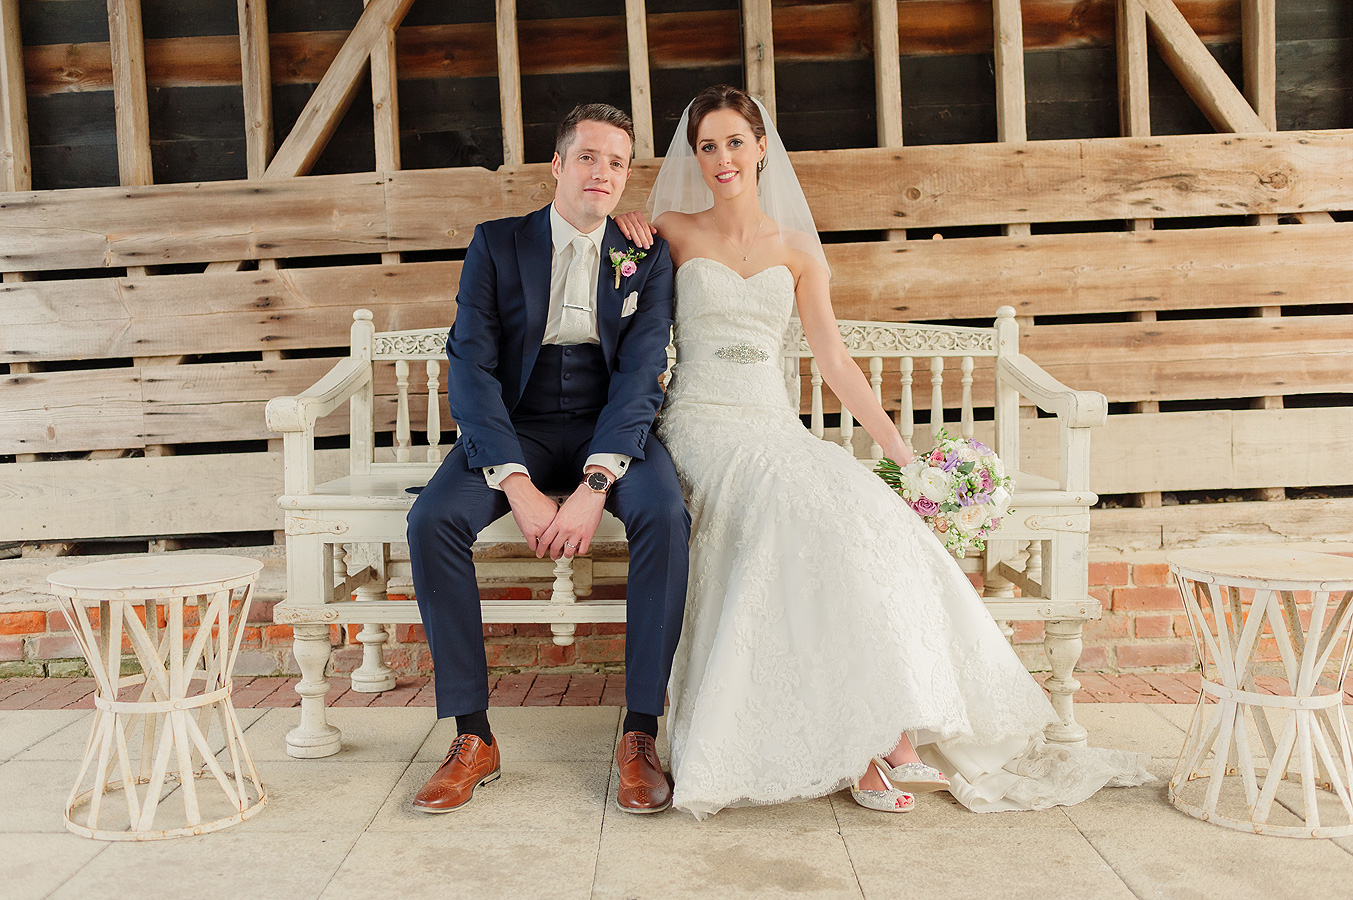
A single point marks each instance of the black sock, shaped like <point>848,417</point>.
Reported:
<point>476,723</point>
<point>637,721</point>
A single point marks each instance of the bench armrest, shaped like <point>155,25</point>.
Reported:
<point>1076,409</point>
<point>301,412</point>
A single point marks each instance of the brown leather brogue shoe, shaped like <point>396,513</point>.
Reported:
<point>643,784</point>
<point>469,763</point>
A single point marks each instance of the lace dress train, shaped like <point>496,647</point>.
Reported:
<point>823,619</point>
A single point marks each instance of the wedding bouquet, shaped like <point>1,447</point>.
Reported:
<point>960,488</point>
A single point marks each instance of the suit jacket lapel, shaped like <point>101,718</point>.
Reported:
<point>608,298</point>
<point>534,251</point>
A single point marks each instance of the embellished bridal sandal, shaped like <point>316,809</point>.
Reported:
<point>916,777</point>
<point>889,800</point>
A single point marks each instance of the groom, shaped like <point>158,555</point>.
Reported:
<point>555,356</point>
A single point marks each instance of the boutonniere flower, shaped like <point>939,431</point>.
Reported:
<point>626,264</point>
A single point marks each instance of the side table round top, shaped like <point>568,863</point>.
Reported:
<point>155,576</point>
<point>1273,566</point>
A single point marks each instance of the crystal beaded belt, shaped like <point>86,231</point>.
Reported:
<point>743,353</point>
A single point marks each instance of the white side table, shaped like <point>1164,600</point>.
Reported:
<point>150,602</point>
<point>1230,595</point>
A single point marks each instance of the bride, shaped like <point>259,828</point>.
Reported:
<point>829,640</point>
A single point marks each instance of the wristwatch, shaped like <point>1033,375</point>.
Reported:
<point>598,482</point>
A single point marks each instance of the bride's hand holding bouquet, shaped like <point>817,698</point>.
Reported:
<point>960,489</point>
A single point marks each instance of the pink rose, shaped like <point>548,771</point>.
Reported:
<point>924,506</point>
<point>628,268</point>
<point>616,257</point>
<point>987,483</point>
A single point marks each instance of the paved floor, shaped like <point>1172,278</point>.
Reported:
<point>563,689</point>
<point>342,827</point>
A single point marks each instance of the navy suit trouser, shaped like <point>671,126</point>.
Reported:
<point>456,505</point>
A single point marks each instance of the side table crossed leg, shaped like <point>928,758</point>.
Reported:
<point>175,719</point>
<point>1314,741</point>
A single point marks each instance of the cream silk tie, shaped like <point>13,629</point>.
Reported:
<point>575,322</point>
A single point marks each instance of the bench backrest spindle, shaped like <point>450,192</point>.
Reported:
<point>936,396</point>
<point>434,428</point>
<point>906,415</point>
<point>815,423</point>
<point>876,381</point>
<point>965,410</point>
<point>402,439</point>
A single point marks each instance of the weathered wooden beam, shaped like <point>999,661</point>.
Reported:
<point>695,39</point>
<point>335,90</point>
<point>1011,125</point>
<point>256,80</point>
<point>887,74</point>
<point>167,495</point>
<point>858,189</point>
<point>1134,89</point>
<point>1203,77</point>
<point>331,98</point>
<point>385,109</point>
<point>1259,41</point>
<point>758,52</point>
<point>1200,74</point>
<point>1207,524</point>
<point>16,171</point>
<point>132,110</point>
<point>509,83</point>
<point>1009,53</point>
<point>1054,274</point>
<point>641,94</point>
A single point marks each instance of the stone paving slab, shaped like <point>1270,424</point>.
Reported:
<point>342,828</point>
<point>560,689</point>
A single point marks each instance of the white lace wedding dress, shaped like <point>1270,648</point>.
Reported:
<point>823,618</point>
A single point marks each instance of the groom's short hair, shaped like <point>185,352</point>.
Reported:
<point>592,112</point>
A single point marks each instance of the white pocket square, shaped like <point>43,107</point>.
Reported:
<point>631,304</point>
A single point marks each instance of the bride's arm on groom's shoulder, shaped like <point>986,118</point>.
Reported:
<point>636,227</point>
<point>834,361</point>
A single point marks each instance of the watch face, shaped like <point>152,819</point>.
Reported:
<point>598,482</point>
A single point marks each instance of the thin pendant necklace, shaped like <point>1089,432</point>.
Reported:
<point>730,240</point>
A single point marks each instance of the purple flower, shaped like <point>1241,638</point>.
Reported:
<point>628,268</point>
<point>950,463</point>
<point>982,448</point>
<point>925,506</point>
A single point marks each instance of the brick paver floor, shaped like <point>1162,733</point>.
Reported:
<point>557,689</point>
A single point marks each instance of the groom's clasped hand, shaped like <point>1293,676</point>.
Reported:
<point>550,528</point>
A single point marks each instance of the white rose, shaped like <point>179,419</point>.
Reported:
<point>997,467</point>
<point>935,484</point>
<point>1000,501</point>
<point>971,518</point>
<point>967,454</point>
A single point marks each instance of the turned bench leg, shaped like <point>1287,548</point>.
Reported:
<point>373,675</point>
<point>1062,643</point>
<point>314,737</point>
<point>562,592</point>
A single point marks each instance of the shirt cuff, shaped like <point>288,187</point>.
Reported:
<point>494,475</point>
<point>615,463</point>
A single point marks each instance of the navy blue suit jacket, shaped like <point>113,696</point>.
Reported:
<point>501,309</point>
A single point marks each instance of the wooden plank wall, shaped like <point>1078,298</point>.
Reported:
<point>1168,271</point>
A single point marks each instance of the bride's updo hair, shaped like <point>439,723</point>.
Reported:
<point>723,96</point>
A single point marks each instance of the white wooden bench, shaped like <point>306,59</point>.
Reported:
<point>339,532</point>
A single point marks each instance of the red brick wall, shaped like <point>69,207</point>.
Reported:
<point>1143,629</point>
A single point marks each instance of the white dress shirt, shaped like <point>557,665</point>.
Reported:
<point>561,237</point>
